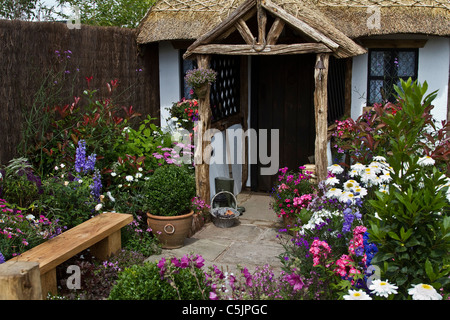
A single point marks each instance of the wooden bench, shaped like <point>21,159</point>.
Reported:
<point>101,234</point>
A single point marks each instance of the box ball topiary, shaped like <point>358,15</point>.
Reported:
<point>170,190</point>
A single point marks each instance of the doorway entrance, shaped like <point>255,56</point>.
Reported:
<point>283,99</point>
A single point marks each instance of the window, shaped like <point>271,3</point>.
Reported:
<point>225,91</point>
<point>185,66</point>
<point>386,68</point>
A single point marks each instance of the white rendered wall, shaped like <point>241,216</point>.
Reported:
<point>169,78</point>
<point>359,84</point>
<point>434,60</point>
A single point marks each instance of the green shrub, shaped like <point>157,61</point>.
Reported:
<point>143,282</point>
<point>169,191</point>
<point>412,228</point>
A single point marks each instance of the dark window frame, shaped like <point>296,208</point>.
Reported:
<point>230,92</point>
<point>390,77</point>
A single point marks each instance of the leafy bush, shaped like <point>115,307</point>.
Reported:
<point>166,280</point>
<point>19,183</point>
<point>169,191</point>
<point>412,227</point>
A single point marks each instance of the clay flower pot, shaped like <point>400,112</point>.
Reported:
<point>171,230</point>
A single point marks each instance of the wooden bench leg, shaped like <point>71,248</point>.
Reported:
<point>20,280</point>
<point>48,283</point>
<point>105,248</point>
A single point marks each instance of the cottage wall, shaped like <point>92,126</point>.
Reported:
<point>434,67</point>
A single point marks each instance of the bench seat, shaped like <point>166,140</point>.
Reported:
<point>101,233</point>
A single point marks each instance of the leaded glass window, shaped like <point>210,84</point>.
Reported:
<point>386,68</point>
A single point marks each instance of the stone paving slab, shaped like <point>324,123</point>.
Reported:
<point>251,242</point>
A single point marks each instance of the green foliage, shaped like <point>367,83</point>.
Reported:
<point>413,228</point>
<point>169,191</point>
<point>141,143</point>
<point>119,13</point>
<point>18,9</point>
<point>18,183</point>
<point>69,200</point>
<point>145,283</point>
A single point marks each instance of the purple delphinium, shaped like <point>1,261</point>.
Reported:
<point>2,258</point>
<point>96,187</point>
<point>90,163</point>
<point>83,165</point>
<point>80,156</point>
<point>348,220</point>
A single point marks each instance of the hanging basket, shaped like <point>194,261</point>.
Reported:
<point>201,90</point>
<point>225,216</point>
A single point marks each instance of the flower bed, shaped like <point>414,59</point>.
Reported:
<point>376,228</point>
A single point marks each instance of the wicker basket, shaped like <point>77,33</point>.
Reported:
<point>219,214</point>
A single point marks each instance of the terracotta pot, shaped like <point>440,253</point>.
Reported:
<point>171,231</point>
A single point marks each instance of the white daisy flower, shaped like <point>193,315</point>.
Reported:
<point>424,291</point>
<point>347,196</point>
<point>331,181</point>
<point>350,184</point>
<point>62,165</point>
<point>357,295</point>
<point>113,174</point>
<point>129,178</point>
<point>358,166</point>
<point>362,191</point>
<point>334,193</point>
<point>386,177</point>
<point>353,173</point>
<point>98,207</point>
<point>138,175</point>
<point>383,288</point>
<point>335,169</point>
<point>375,167</point>
<point>426,161</point>
<point>379,158</point>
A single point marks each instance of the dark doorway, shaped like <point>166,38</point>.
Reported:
<point>283,98</point>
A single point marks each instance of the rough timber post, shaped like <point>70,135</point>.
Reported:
<point>321,110</point>
<point>203,153</point>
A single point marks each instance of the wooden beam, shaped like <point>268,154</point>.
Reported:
<point>299,25</point>
<point>201,155</point>
<point>262,22</point>
<point>228,23</point>
<point>275,31</point>
<point>321,110</point>
<point>245,49</point>
<point>245,32</point>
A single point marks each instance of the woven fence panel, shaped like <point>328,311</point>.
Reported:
<point>28,50</point>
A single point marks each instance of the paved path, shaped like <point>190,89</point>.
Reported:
<point>251,242</point>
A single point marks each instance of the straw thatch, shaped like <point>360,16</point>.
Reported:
<point>189,19</point>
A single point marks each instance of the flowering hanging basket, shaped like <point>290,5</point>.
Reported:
<point>201,90</point>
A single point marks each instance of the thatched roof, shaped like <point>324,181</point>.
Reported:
<point>190,19</point>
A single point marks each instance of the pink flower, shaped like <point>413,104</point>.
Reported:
<point>213,296</point>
